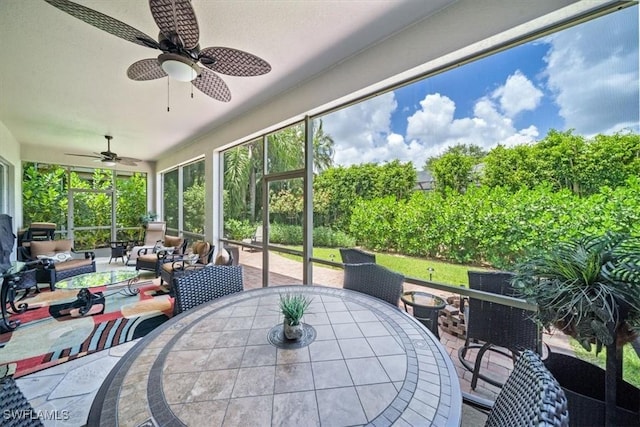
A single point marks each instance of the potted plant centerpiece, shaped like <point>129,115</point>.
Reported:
<point>293,307</point>
<point>589,288</point>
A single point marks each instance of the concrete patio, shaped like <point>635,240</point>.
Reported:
<point>65,392</point>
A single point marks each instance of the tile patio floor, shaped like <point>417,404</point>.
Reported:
<point>66,391</point>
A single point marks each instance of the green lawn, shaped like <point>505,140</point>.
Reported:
<point>451,274</point>
<point>630,362</point>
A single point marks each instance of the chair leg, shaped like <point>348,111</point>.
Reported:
<point>476,367</point>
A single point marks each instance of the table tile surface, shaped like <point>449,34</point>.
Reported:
<point>370,364</point>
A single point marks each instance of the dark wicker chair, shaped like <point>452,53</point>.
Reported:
<point>151,260</point>
<point>530,397</point>
<point>356,256</point>
<point>177,265</point>
<point>118,250</point>
<point>16,409</point>
<point>374,280</point>
<point>206,284</point>
<point>500,328</point>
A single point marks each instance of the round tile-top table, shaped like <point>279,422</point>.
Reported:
<point>364,362</point>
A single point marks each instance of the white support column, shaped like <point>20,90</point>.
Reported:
<point>307,224</point>
<point>214,172</point>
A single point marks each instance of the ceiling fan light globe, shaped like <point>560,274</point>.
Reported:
<point>108,163</point>
<point>178,68</point>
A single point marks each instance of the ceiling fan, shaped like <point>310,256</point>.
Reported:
<point>109,158</point>
<point>181,56</point>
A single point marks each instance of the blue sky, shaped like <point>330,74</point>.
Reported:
<point>583,78</point>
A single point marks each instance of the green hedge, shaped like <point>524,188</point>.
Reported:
<point>491,225</point>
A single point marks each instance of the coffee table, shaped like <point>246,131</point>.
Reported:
<point>123,279</point>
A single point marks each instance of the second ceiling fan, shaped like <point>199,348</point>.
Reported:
<point>181,56</point>
<point>109,158</point>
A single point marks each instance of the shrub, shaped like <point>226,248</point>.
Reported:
<point>237,230</point>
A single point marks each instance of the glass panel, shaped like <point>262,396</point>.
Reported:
<point>131,205</point>
<point>97,179</point>
<point>91,220</point>
<point>170,198</point>
<point>285,149</point>
<point>44,194</point>
<point>193,194</point>
<point>285,229</point>
<point>242,191</point>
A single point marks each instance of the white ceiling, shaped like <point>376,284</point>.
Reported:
<point>63,83</point>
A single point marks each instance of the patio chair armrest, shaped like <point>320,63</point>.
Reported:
<point>483,405</point>
<point>144,251</point>
<point>168,256</point>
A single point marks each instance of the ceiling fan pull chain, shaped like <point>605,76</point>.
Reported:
<point>168,100</point>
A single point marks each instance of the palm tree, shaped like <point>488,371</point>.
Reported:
<point>243,166</point>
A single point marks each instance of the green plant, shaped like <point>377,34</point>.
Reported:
<point>148,217</point>
<point>589,288</point>
<point>293,306</point>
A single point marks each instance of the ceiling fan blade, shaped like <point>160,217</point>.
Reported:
<point>124,161</point>
<point>145,69</point>
<point>176,17</point>
<point>83,155</point>
<point>210,84</point>
<point>128,159</point>
<point>233,62</point>
<point>104,22</point>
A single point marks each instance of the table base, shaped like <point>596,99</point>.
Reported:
<point>85,299</point>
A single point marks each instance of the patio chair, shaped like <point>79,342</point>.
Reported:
<point>206,284</point>
<point>118,250</point>
<point>154,233</point>
<point>198,255</point>
<point>151,259</point>
<point>496,327</point>
<point>374,280</point>
<point>530,397</point>
<point>356,256</point>
<point>56,260</point>
<point>17,411</point>
<point>256,239</point>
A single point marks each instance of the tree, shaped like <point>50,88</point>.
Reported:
<point>454,169</point>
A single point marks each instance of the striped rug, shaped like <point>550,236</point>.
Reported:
<point>49,334</point>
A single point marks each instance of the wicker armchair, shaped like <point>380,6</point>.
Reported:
<point>206,284</point>
<point>356,256</point>
<point>374,280</point>
<point>17,411</point>
<point>177,265</point>
<point>500,328</point>
<point>151,260</point>
<point>530,397</point>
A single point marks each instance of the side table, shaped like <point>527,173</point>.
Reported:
<point>426,308</point>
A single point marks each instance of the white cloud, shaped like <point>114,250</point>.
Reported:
<point>517,94</point>
<point>434,127</point>
<point>592,69</point>
<point>362,133</point>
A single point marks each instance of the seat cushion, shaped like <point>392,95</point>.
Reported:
<point>49,247</point>
<point>223,257</point>
<point>74,263</point>
<point>202,249</point>
<point>148,257</point>
<point>173,241</point>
